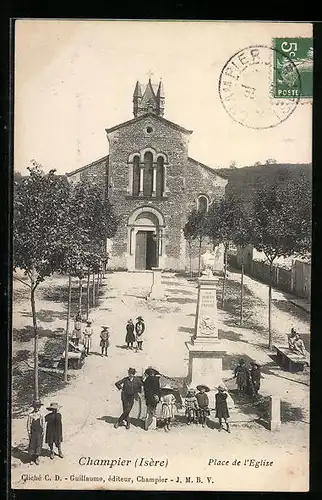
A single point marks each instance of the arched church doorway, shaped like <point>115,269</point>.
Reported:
<point>145,239</point>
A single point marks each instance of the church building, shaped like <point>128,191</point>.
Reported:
<point>153,185</point>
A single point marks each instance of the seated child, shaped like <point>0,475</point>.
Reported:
<point>191,405</point>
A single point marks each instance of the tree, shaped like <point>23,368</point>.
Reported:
<point>233,164</point>
<point>40,204</point>
<point>219,227</point>
<point>241,236</point>
<point>281,224</point>
<point>196,229</point>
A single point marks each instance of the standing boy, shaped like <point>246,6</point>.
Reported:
<point>203,404</point>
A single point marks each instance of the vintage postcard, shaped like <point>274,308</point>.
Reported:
<point>162,255</point>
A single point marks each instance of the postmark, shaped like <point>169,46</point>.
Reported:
<point>289,52</point>
<point>246,89</point>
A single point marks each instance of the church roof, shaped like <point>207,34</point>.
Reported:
<point>156,117</point>
<point>213,170</point>
<point>69,174</point>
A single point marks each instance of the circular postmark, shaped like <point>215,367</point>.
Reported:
<point>246,88</point>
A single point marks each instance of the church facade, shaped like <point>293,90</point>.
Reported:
<point>153,184</point>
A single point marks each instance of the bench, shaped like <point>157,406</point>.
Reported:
<point>290,360</point>
<point>76,355</point>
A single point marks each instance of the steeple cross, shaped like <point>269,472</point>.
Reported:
<point>150,74</point>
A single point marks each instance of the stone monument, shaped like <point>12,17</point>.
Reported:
<point>206,350</point>
<point>157,288</point>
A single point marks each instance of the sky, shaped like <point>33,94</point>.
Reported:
<point>74,79</point>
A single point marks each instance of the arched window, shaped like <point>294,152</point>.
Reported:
<point>202,203</point>
<point>160,176</point>
<point>136,175</point>
<point>148,174</point>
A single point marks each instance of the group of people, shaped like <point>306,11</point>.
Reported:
<point>36,423</point>
<point>83,335</point>
<point>296,344</point>
<point>135,334</point>
<point>248,377</point>
<point>167,399</point>
<point>197,406</point>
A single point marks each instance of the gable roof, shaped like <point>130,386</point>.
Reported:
<point>210,169</point>
<point>152,115</point>
<point>69,174</point>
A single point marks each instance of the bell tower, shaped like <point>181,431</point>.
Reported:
<point>148,99</point>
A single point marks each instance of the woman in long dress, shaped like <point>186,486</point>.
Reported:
<point>130,337</point>
<point>241,376</point>
<point>151,386</point>
<point>35,428</point>
<point>222,407</point>
<point>168,401</point>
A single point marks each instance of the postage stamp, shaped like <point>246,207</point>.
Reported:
<point>289,52</point>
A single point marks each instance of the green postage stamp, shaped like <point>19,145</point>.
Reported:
<point>293,67</point>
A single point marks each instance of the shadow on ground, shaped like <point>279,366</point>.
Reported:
<point>288,307</point>
<point>46,315</point>
<point>231,335</point>
<point>136,422</point>
<point>22,383</point>
<point>26,333</point>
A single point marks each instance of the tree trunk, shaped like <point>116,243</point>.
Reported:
<point>242,292</point>
<point>80,295</point>
<point>190,259</point>
<point>270,343</point>
<point>93,294</point>
<point>34,322</point>
<point>101,277</point>
<point>97,285</point>
<point>225,275</point>
<point>87,292</point>
<point>67,327</point>
<point>199,256</point>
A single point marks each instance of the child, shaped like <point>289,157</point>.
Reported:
<point>191,405</point>
<point>88,332</point>
<point>35,428</point>
<point>54,431</point>
<point>139,331</point>
<point>203,404</point>
<point>221,406</point>
<point>77,333</point>
<point>104,343</point>
<point>168,401</point>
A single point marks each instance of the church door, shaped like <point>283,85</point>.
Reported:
<point>151,251</point>
<point>140,250</point>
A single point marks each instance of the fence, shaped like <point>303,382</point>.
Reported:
<point>296,280</point>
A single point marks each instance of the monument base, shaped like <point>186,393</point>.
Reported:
<point>157,291</point>
<point>205,367</point>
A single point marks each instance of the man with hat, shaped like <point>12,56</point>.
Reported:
<point>35,428</point>
<point>104,343</point>
<point>88,332</point>
<point>54,429</point>
<point>131,386</point>
<point>221,406</point>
